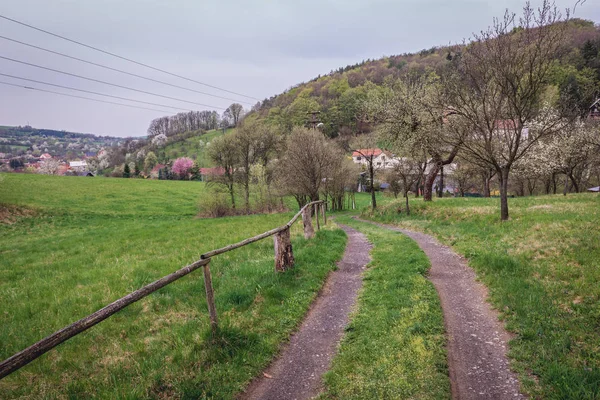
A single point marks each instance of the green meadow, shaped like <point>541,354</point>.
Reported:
<point>542,268</point>
<point>70,245</point>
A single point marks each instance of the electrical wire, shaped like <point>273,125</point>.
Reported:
<point>125,58</point>
<point>81,97</point>
<point>119,70</point>
<point>107,83</point>
<point>92,92</point>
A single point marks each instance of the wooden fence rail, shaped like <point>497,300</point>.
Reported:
<point>284,259</point>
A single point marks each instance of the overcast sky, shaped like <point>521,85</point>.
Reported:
<point>257,48</point>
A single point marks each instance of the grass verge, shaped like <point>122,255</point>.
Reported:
<point>71,245</point>
<point>543,271</point>
<point>394,346</point>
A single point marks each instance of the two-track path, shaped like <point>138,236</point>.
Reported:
<point>297,372</point>
<point>477,340</point>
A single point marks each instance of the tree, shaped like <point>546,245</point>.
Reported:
<point>303,168</point>
<point>182,167</point>
<point>494,90</point>
<point>195,172</point>
<point>255,142</point>
<point>224,153</point>
<point>126,171</point>
<point>150,162</point>
<point>49,167</point>
<point>411,114</point>
<point>405,173</point>
<point>366,147</point>
<point>234,113</point>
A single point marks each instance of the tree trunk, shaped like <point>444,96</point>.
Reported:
<point>554,183</point>
<point>441,186</point>
<point>247,194</point>
<point>232,194</point>
<point>486,186</point>
<point>566,185</point>
<point>407,206</point>
<point>574,181</point>
<point>503,175</point>
<point>372,176</point>
<point>429,180</point>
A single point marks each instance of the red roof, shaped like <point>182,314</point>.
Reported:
<point>212,171</point>
<point>45,156</point>
<point>366,152</point>
<point>157,167</point>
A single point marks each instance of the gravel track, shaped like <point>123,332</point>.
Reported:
<point>297,372</point>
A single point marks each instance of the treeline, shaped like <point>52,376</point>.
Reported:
<point>196,120</point>
<point>257,167</point>
<point>575,74</point>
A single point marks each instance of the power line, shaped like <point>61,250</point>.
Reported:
<point>81,97</point>
<point>119,70</point>
<point>124,58</point>
<point>92,92</point>
<point>107,83</point>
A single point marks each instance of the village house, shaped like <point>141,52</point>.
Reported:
<point>382,159</point>
<point>79,166</point>
<point>45,157</point>
<point>207,173</point>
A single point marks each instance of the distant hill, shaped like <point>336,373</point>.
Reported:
<point>24,141</point>
<point>338,94</point>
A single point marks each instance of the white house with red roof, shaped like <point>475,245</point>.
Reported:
<point>382,159</point>
<point>45,157</point>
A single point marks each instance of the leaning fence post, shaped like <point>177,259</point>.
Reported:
<point>309,232</point>
<point>316,210</point>
<point>324,214</point>
<point>210,299</point>
<point>284,255</point>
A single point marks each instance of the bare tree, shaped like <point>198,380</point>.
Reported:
<point>405,172</point>
<point>224,153</point>
<point>255,142</point>
<point>366,147</point>
<point>495,89</point>
<point>303,168</point>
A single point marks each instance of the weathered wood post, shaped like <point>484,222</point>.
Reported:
<point>309,232</point>
<point>324,214</point>
<point>316,210</point>
<point>210,299</point>
<point>284,255</point>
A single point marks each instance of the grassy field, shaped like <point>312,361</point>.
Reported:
<point>194,147</point>
<point>543,271</point>
<point>70,245</point>
<point>394,348</point>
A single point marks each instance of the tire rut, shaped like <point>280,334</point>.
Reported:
<point>477,340</point>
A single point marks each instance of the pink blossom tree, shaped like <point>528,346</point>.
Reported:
<point>182,167</point>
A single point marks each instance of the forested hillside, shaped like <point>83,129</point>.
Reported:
<point>338,95</point>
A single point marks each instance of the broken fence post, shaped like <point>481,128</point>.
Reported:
<point>309,232</point>
<point>284,255</point>
<point>324,214</point>
<point>210,299</point>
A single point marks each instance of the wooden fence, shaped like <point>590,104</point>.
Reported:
<point>284,259</point>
